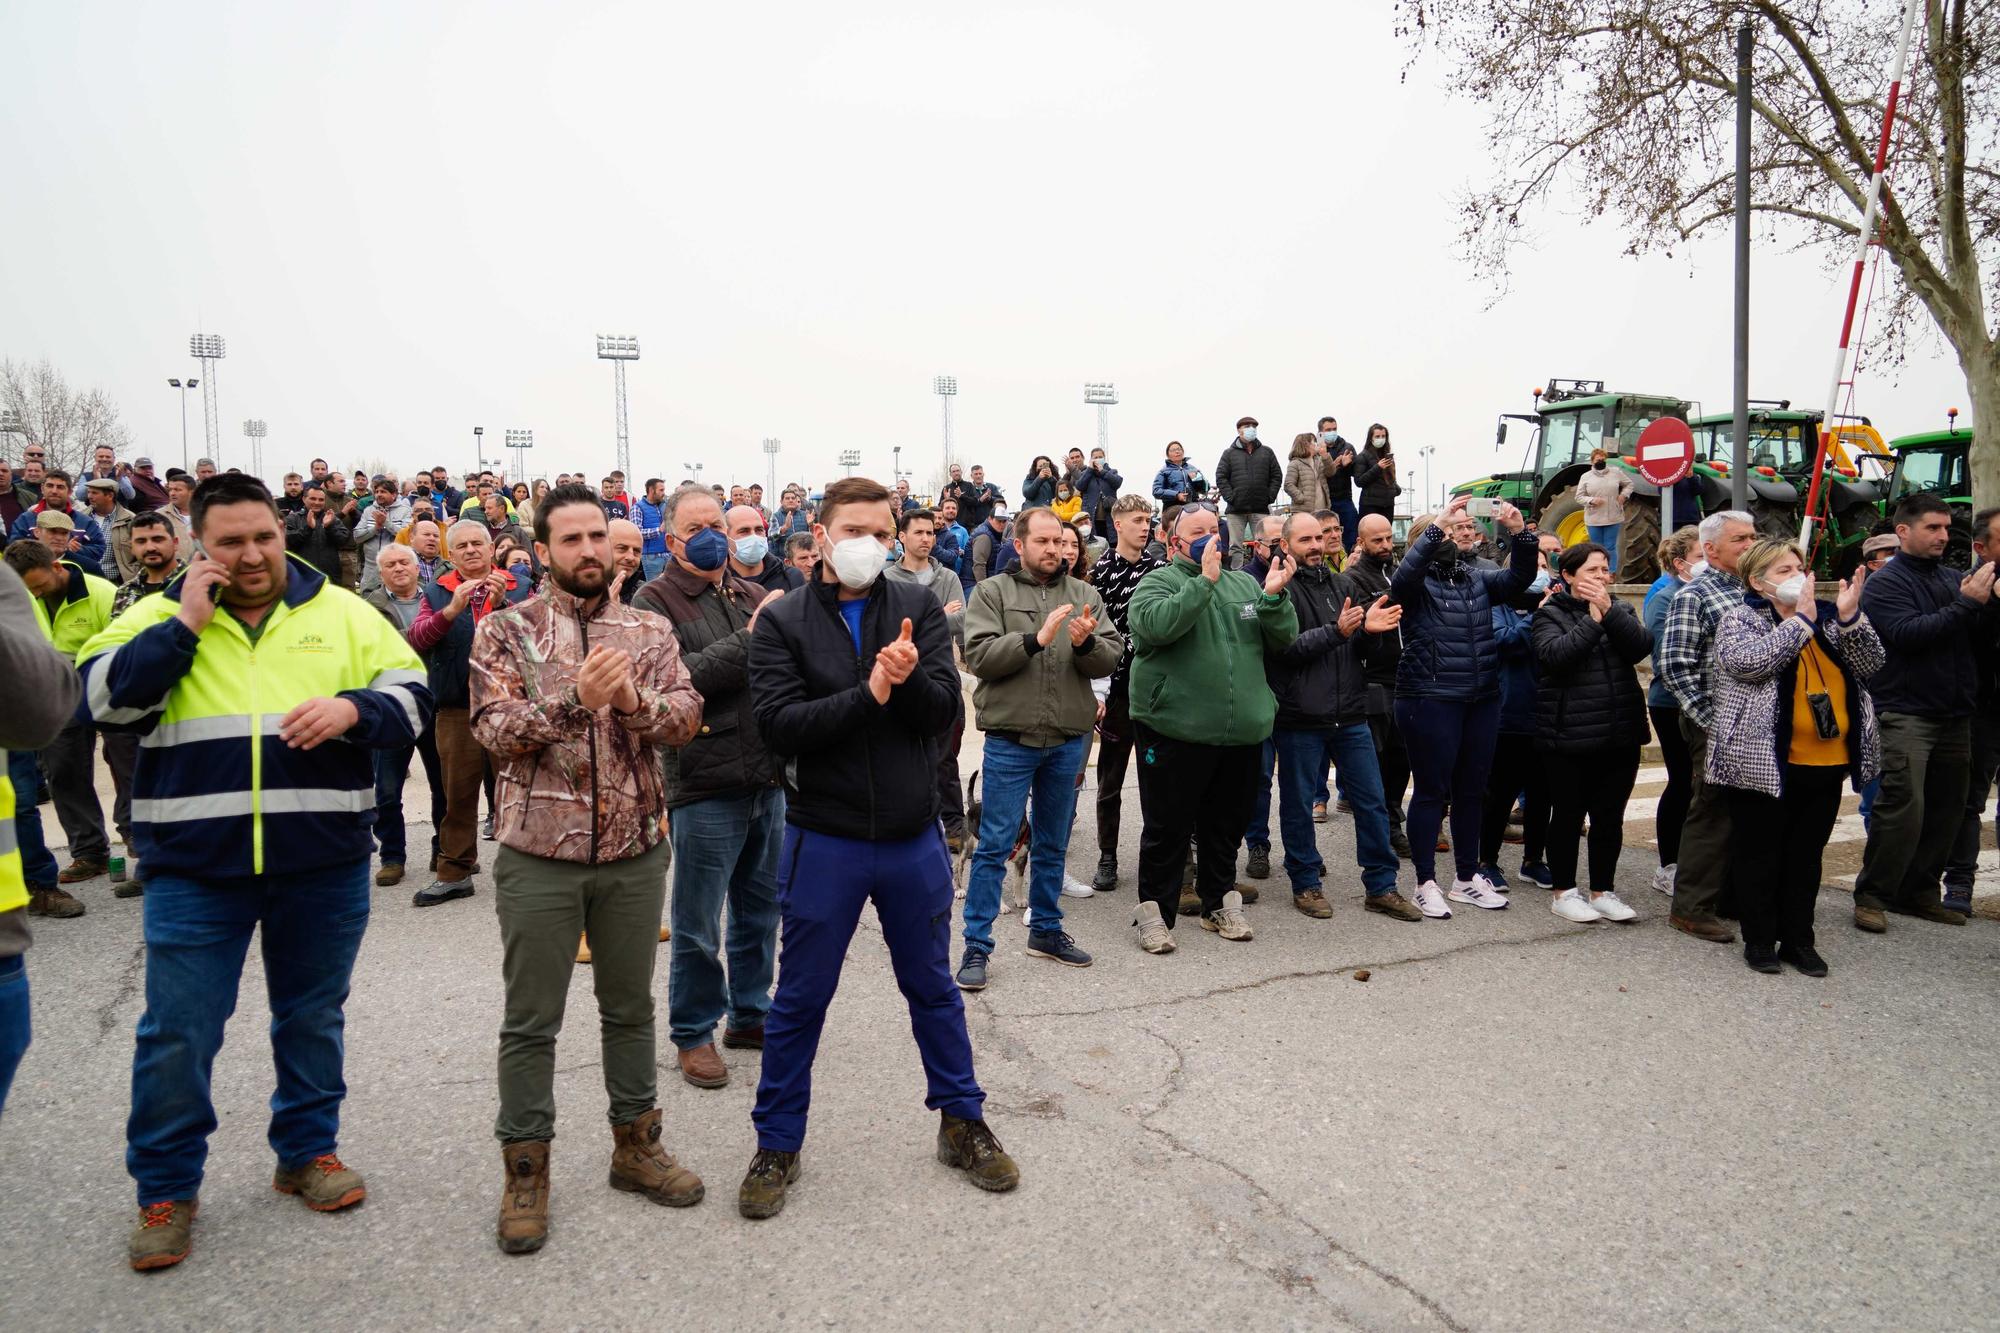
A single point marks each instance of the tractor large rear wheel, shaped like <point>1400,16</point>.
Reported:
<point>1563,515</point>
<point>1639,541</point>
<point>1776,522</point>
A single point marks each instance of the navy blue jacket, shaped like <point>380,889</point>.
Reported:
<point>1174,478</point>
<point>1517,670</point>
<point>1448,647</point>
<point>1926,626</point>
<point>1099,490</point>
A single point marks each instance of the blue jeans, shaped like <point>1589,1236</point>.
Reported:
<point>14,1030</point>
<point>1258,834</point>
<point>725,851</point>
<point>38,864</point>
<point>392,767</point>
<point>1606,535</point>
<point>823,881</point>
<point>197,933</point>
<point>1302,757</point>
<point>1009,774</point>
<point>1869,794</point>
<point>652,566</point>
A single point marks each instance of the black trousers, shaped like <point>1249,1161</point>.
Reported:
<point>1672,812</point>
<point>1114,757</point>
<point>1393,760</point>
<point>1517,767</point>
<point>1776,843</point>
<point>951,791</point>
<point>1595,783</point>
<point>1182,786</point>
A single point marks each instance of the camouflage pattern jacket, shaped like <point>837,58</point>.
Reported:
<point>576,785</point>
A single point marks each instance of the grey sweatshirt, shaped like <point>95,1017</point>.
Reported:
<point>42,692</point>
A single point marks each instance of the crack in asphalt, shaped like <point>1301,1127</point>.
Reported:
<point>1309,974</point>
<point>1287,1278</point>
<point>130,978</point>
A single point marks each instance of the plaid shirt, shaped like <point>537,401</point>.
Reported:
<point>1687,644</point>
<point>128,593</point>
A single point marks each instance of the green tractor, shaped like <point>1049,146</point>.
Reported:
<point>1783,443</point>
<point>1939,462</point>
<point>1572,418</point>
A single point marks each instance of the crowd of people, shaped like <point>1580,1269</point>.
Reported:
<point>762,699</point>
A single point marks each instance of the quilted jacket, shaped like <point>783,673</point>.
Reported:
<point>1589,698</point>
<point>1756,670</point>
<point>1448,648</point>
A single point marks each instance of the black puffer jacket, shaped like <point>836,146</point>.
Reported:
<point>1378,491</point>
<point>1371,580</point>
<point>1320,678</point>
<point>854,768</point>
<point>1447,601</point>
<point>1589,697</point>
<point>1249,480</point>
<point>726,756</point>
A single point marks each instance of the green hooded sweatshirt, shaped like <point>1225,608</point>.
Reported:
<point>1198,653</point>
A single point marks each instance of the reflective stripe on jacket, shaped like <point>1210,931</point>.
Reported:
<point>216,793</point>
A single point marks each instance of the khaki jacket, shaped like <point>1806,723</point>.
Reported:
<point>1040,696</point>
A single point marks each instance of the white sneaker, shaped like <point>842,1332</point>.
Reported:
<point>1573,906</point>
<point>1228,920</point>
<point>1076,888</point>
<point>1476,891</point>
<point>1154,937</point>
<point>1663,879</point>
<point>1430,902</point>
<point>1612,908</point>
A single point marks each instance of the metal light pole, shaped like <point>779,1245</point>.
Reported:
<point>10,424</point>
<point>771,447</point>
<point>184,386</point>
<point>209,348</point>
<point>618,349</point>
<point>1425,453</point>
<point>256,430</point>
<point>895,466</point>
<point>1739,453</point>
<point>518,440</point>
<point>946,388</point>
<point>1103,396</point>
<point>478,448</point>
<point>850,459</point>
<point>694,468</point>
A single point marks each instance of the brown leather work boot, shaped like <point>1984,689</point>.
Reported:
<point>701,1066</point>
<point>639,1165</point>
<point>325,1184</point>
<point>389,875</point>
<point>76,872</point>
<point>744,1039</point>
<point>1937,912</point>
<point>164,1236</point>
<point>1313,903</point>
<point>1703,928</point>
<point>524,1203</point>
<point>762,1193</point>
<point>970,1146</point>
<point>53,902</point>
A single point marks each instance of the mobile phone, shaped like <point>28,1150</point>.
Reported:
<point>214,589</point>
<point>1480,506</point>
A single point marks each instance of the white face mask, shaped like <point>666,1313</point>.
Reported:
<point>1790,590</point>
<point>1249,432</point>
<point>857,562</point>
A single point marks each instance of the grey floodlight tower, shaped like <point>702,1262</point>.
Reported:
<point>256,430</point>
<point>850,459</point>
<point>518,441</point>
<point>771,447</point>
<point>946,388</point>
<point>1103,397</point>
<point>184,385</point>
<point>209,348</point>
<point>618,349</point>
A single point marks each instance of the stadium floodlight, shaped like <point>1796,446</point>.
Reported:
<point>619,348</point>
<point>256,430</point>
<point>850,459</point>
<point>209,348</point>
<point>1103,397</point>
<point>184,385</point>
<point>771,448</point>
<point>518,440</point>
<point>946,388</point>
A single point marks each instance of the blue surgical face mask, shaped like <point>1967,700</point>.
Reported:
<point>1540,581</point>
<point>1199,547</point>
<point>752,549</point>
<point>1328,436</point>
<point>707,549</point>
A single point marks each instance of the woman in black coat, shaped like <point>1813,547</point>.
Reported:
<point>1590,726</point>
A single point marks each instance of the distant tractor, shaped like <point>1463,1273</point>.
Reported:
<point>1937,462</point>
<point>1572,418</point>
<point>1781,448</point>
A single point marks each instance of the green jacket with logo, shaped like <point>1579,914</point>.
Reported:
<point>1198,653</point>
<point>1042,695</point>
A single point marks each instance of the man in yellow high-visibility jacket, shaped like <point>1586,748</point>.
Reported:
<point>259,689</point>
<point>42,690</point>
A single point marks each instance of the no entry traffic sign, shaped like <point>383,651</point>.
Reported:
<point>1666,451</point>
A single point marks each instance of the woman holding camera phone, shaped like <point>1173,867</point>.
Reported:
<point>1791,698</point>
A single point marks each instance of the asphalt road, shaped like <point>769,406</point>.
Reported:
<point>1514,1122</point>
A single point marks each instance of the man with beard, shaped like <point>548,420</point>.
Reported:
<point>156,549</point>
<point>260,689</point>
<point>1369,569</point>
<point>576,695</point>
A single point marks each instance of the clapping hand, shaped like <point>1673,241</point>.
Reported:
<point>606,678</point>
<point>1351,617</point>
<point>1046,635</point>
<point>894,662</point>
<point>1848,602</point>
<point>1978,585</point>
<point>1081,628</point>
<point>1211,560</point>
<point>1382,617</point>
<point>1282,569</point>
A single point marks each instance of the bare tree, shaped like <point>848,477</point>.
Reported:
<point>69,424</point>
<point>1629,105</point>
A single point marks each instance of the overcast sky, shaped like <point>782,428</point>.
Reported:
<point>408,219</point>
